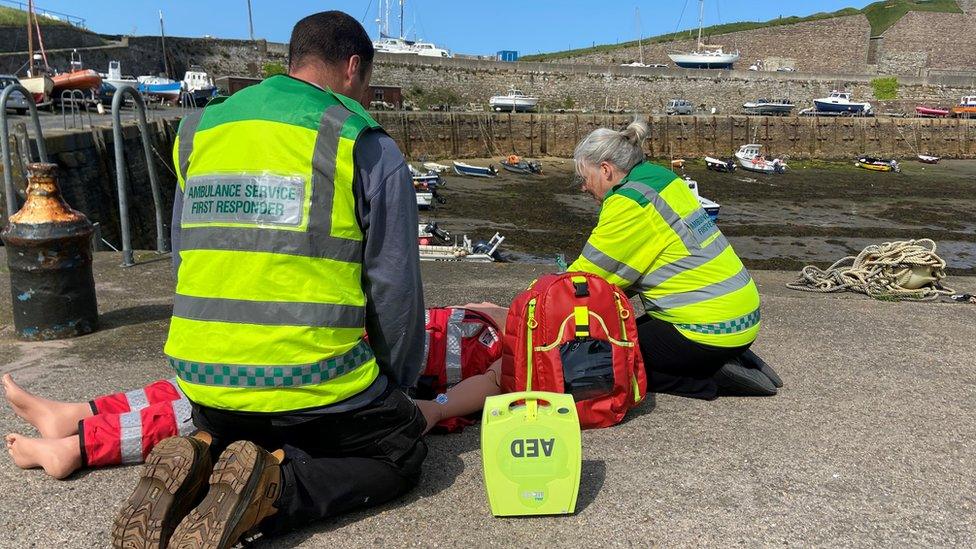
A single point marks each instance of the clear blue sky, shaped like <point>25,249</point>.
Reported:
<point>464,26</point>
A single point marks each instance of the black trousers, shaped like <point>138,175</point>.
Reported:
<point>677,365</point>
<point>334,463</point>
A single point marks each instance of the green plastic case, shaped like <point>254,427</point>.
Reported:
<point>531,453</point>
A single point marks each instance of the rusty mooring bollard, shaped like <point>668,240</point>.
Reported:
<point>49,252</point>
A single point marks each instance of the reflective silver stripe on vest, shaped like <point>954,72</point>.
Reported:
<point>610,264</point>
<point>698,258</point>
<point>137,399</point>
<point>235,375</point>
<point>735,282</point>
<point>317,242</point>
<point>677,224</point>
<point>188,129</point>
<point>452,358</point>
<point>130,437</point>
<point>269,313</point>
<point>727,327</point>
<point>423,364</point>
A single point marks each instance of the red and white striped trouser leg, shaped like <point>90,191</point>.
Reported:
<point>109,438</point>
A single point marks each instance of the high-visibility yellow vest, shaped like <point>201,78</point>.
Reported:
<point>654,238</point>
<point>269,312</point>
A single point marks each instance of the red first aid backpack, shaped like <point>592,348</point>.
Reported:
<point>575,333</point>
<point>460,343</point>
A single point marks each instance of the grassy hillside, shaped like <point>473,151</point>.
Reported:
<point>14,17</point>
<point>881,15</point>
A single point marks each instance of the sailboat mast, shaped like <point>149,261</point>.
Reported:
<point>701,20</point>
<point>640,36</point>
<point>30,39</point>
<point>401,18</point>
<point>162,37</point>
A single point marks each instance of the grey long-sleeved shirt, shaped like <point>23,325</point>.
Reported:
<point>386,208</point>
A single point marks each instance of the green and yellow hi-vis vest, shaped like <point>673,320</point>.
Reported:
<point>653,237</point>
<point>269,312</point>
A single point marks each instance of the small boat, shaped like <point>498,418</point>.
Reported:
<point>931,112</point>
<point>928,159</point>
<point>425,185</point>
<point>465,250</point>
<point>513,101</point>
<point>160,87</point>
<point>435,167</point>
<point>966,107</point>
<point>780,107</point>
<point>78,78</point>
<point>750,158</point>
<point>115,78</point>
<point>40,86</point>
<point>461,168</point>
<point>877,164</point>
<point>200,85</point>
<point>704,56</point>
<point>515,163</point>
<point>839,101</point>
<point>429,233</point>
<point>719,165</point>
<point>710,207</point>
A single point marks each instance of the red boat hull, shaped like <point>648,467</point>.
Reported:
<point>931,111</point>
<point>85,79</point>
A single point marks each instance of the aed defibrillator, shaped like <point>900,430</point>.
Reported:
<point>531,453</point>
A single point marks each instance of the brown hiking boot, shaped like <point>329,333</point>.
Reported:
<point>172,481</point>
<point>244,486</point>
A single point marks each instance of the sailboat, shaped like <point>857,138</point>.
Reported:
<point>705,56</point>
<point>37,81</point>
<point>640,45</point>
<point>400,44</point>
<point>163,88</point>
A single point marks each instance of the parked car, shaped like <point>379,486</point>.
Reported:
<point>17,101</point>
<point>679,106</point>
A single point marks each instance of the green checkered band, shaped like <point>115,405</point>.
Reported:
<point>728,327</point>
<point>233,375</point>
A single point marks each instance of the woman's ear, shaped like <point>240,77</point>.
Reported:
<point>606,170</point>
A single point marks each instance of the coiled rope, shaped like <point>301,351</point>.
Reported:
<point>879,271</point>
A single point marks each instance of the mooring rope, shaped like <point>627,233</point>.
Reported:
<point>879,271</point>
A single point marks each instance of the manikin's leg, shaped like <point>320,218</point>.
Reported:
<point>59,457</point>
<point>465,398</point>
<point>53,419</point>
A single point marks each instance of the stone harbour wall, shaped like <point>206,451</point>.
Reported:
<point>88,178</point>
<point>602,88</point>
<point>424,136</point>
<point>948,40</point>
<point>832,45</point>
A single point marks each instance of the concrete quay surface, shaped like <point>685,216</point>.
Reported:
<point>872,442</point>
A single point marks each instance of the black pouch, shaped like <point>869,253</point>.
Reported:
<point>587,368</point>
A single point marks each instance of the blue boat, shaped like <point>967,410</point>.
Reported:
<point>841,102</point>
<point>474,171</point>
<point>163,88</point>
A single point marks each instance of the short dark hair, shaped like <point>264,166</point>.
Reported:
<point>331,37</point>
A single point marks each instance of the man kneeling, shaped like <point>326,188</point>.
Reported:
<point>294,236</point>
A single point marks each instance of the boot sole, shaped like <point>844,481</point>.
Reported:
<point>236,478</point>
<point>170,484</point>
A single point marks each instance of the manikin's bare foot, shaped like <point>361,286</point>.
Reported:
<point>52,418</point>
<point>59,456</point>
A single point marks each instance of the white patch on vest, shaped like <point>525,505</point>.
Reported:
<point>258,199</point>
<point>489,337</point>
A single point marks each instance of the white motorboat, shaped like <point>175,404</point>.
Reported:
<point>768,107</point>
<point>465,250</point>
<point>840,102</point>
<point>399,44</point>
<point>427,49</point>
<point>705,56</point>
<point>115,78</point>
<point>711,208</point>
<point>435,167</point>
<point>389,44</point>
<point>751,158</point>
<point>513,101</point>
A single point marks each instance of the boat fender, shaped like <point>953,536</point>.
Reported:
<point>916,276</point>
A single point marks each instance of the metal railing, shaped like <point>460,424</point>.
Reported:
<point>8,177</point>
<point>75,101</point>
<point>41,12</point>
<point>162,245</point>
